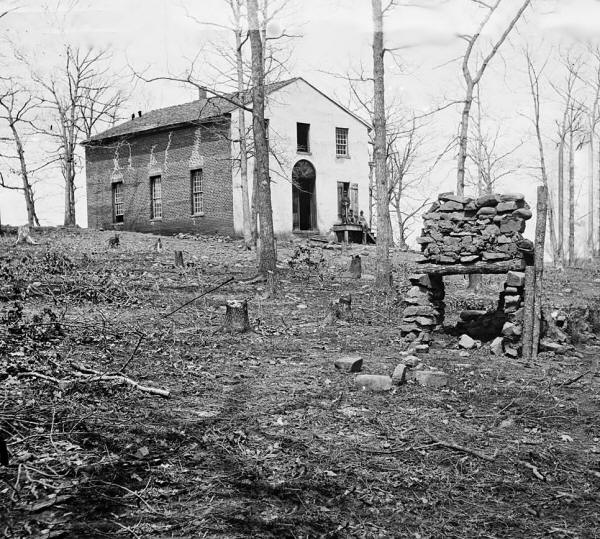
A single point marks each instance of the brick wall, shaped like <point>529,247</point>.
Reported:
<point>172,155</point>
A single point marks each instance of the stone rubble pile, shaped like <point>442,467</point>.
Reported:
<point>425,308</point>
<point>511,304</point>
<point>463,230</point>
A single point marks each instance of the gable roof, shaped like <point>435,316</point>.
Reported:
<point>197,111</point>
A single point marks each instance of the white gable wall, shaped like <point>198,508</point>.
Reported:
<point>299,102</point>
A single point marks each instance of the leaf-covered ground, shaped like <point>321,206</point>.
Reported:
<point>262,436</point>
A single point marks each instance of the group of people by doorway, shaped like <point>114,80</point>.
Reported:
<point>348,215</point>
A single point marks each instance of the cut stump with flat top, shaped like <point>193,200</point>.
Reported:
<point>236,316</point>
<point>179,259</point>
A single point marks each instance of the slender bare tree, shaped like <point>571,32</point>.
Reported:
<point>383,278</point>
<point>16,108</point>
<point>534,76</point>
<point>267,256</point>
<point>80,97</point>
<point>472,79</point>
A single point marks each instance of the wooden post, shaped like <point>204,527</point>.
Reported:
<point>539,242</point>
<point>179,259</point>
<point>528,311</point>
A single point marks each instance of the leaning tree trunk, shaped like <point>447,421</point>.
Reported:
<point>383,279</point>
<point>32,218</point>
<point>267,255</point>
<point>571,200</point>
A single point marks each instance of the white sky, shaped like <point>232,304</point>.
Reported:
<point>158,37</point>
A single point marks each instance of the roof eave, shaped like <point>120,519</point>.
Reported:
<point>150,130</point>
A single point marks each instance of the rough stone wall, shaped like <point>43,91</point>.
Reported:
<point>172,155</point>
<point>464,230</point>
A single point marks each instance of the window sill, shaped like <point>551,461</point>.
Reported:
<point>302,152</point>
<point>342,157</point>
<point>156,219</point>
<point>199,214</point>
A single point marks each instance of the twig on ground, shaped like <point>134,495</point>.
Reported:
<point>533,469</point>
<point>137,346</point>
<point>463,449</point>
<point>198,297</point>
<point>572,380</point>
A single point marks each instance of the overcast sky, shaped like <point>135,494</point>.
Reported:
<point>160,37</point>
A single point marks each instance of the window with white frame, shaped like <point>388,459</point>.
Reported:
<point>117,199</point>
<point>197,194</point>
<point>155,197</point>
<point>341,142</point>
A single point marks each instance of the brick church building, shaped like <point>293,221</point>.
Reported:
<point>176,169</point>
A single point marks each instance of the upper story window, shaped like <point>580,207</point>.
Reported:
<point>197,194</point>
<point>117,200</point>
<point>155,197</point>
<point>302,137</point>
<point>341,142</point>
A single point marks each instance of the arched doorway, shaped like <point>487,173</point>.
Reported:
<point>304,207</point>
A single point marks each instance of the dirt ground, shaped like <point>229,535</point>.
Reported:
<point>262,436</point>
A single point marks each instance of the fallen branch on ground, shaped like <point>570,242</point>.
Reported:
<point>198,297</point>
<point>462,449</point>
<point>93,376</point>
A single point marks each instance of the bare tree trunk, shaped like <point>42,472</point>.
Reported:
<point>267,254</point>
<point>561,198</point>
<point>598,206</point>
<point>254,207</point>
<point>32,218</point>
<point>540,238</point>
<point>571,200</point>
<point>590,193</point>
<point>463,140</point>
<point>383,280</point>
<point>236,6</point>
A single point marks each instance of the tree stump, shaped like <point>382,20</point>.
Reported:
<point>24,236</point>
<point>356,267</point>
<point>114,241</point>
<point>236,316</point>
<point>339,309</point>
<point>158,247</point>
<point>179,259</point>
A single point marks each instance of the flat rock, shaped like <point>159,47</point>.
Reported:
<point>423,348</point>
<point>515,278</point>
<point>546,345</point>
<point>467,342</point>
<point>420,310</point>
<point>486,200</point>
<point>451,205</point>
<point>445,197</point>
<point>509,197</point>
<point>469,258</point>
<point>509,206</point>
<point>487,211</point>
<point>512,224</point>
<point>511,330</point>
<point>411,361</point>
<point>523,213</point>
<point>373,382</point>
<point>431,378</point>
<point>491,257</point>
<point>399,375</point>
<point>511,352</point>
<point>496,346</point>
<point>349,363</point>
